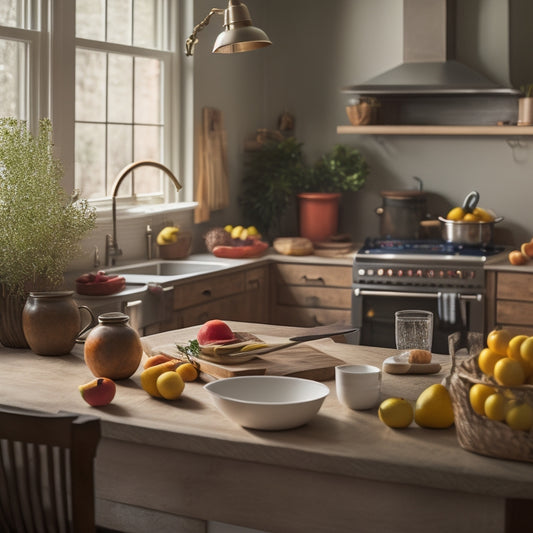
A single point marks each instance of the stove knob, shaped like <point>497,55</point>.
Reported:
<point>390,272</point>
<point>450,274</point>
<point>410,273</point>
<point>459,274</point>
<point>441,274</point>
<point>399,273</point>
<point>430,274</point>
<point>380,272</point>
<point>370,271</point>
<point>419,273</point>
<point>361,272</point>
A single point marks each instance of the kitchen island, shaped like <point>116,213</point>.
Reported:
<point>174,465</point>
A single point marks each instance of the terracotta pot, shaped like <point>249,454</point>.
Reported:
<point>11,332</point>
<point>51,322</point>
<point>319,215</point>
<point>113,349</point>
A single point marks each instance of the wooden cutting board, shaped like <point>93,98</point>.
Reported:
<point>303,361</point>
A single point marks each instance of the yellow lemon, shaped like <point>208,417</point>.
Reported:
<point>396,412</point>
<point>513,348</point>
<point>457,213</point>
<point>486,361</point>
<point>520,417</point>
<point>498,340</point>
<point>187,372</point>
<point>470,217</point>
<point>228,228</point>
<point>496,406</point>
<point>149,376</point>
<point>483,214</point>
<point>170,385</point>
<point>478,394</point>
<point>509,373</point>
<point>434,408</point>
<point>526,353</point>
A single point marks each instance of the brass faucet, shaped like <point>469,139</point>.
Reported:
<point>112,249</point>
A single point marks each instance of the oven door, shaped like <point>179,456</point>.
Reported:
<point>373,312</point>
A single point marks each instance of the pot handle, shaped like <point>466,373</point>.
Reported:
<point>470,201</point>
<point>93,322</point>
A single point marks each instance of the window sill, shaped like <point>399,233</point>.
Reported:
<point>104,213</point>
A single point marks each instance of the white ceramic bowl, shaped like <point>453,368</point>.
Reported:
<point>268,402</point>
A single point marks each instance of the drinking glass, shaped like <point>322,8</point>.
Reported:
<point>414,329</point>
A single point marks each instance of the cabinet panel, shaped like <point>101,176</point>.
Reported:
<point>513,286</point>
<point>231,308</point>
<point>308,316</point>
<point>313,275</point>
<point>257,301</point>
<point>315,297</point>
<point>518,313</point>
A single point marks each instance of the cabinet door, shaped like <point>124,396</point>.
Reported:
<point>313,275</point>
<point>513,286</point>
<point>257,301</point>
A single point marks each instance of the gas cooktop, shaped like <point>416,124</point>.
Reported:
<point>425,247</point>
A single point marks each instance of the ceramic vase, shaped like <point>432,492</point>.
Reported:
<point>319,215</point>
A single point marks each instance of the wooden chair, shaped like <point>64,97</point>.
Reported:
<point>47,471</point>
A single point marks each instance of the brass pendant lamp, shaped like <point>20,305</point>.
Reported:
<point>238,36</point>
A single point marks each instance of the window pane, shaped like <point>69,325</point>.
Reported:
<point>119,154</point>
<point>146,30</point>
<point>14,13</point>
<point>90,160</point>
<point>12,79</point>
<point>120,88</point>
<point>90,86</point>
<point>147,145</point>
<point>147,91</point>
<point>119,21</point>
<point>90,19</point>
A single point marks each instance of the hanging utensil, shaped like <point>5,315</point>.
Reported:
<point>470,202</point>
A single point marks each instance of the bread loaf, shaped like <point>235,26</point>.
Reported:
<point>293,246</point>
<point>419,356</point>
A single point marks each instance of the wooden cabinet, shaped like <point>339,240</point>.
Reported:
<point>240,295</point>
<point>310,295</point>
<point>513,301</point>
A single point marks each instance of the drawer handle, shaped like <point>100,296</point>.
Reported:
<point>313,280</point>
<point>206,292</point>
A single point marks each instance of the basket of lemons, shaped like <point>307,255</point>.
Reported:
<point>492,395</point>
<point>174,243</point>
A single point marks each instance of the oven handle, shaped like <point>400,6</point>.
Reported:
<point>365,292</point>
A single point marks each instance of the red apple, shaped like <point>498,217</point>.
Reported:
<point>215,331</point>
<point>98,392</point>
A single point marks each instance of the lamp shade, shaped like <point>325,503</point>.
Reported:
<point>239,35</point>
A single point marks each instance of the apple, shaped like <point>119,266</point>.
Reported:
<point>98,392</point>
<point>215,332</point>
<point>527,248</point>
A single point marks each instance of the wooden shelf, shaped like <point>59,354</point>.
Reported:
<point>435,130</point>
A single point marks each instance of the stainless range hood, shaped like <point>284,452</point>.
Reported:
<point>429,66</point>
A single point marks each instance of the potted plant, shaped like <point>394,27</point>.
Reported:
<point>342,169</point>
<point>525,106</point>
<point>41,225</point>
<point>271,174</point>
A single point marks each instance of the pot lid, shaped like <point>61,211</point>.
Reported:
<point>404,194</point>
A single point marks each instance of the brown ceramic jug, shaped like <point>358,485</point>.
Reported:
<point>113,349</point>
<point>52,322</point>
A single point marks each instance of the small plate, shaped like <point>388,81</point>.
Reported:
<point>399,364</point>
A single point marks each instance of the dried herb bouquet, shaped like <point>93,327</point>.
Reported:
<point>41,226</point>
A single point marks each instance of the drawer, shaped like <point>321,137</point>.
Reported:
<point>518,313</point>
<point>232,308</point>
<point>309,316</point>
<point>208,289</point>
<point>313,275</point>
<point>340,298</point>
<point>513,286</point>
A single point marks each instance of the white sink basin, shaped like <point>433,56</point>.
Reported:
<point>169,269</point>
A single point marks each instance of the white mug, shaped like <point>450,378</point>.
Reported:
<point>358,386</point>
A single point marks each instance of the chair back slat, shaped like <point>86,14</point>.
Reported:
<point>47,472</point>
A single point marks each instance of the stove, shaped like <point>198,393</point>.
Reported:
<point>434,275</point>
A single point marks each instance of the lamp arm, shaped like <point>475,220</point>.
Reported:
<point>192,40</point>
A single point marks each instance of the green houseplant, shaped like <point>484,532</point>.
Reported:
<point>271,174</point>
<point>343,169</point>
<point>41,226</point>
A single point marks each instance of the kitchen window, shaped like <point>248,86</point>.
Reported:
<point>108,76</point>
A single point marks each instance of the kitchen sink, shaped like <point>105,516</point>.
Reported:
<point>169,268</point>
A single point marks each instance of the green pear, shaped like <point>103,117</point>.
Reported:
<point>434,408</point>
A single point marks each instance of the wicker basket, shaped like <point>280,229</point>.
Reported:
<point>179,249</point>
<point>477,433</point>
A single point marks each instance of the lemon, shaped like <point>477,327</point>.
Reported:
<point>457,213</point>
<point>513,348</point>
<point>228,228</point>
<point>167,235</point>
<point>496,406</point>
<point>252,230</point>
<point>187,372</point>
<point>520,417</point>
<point>170,385</point>
<point>434,407</point>
<point>396,413</point>
<point>470,217</point>
<point>509,373</point>
<point>483,214</point>
<point>478,394</point>
<point>486,361</point>
<point>498,340</point>
<point>526,353</point>
<point>236,232</point>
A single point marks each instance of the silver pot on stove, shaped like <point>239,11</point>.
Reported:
<point>402,213</point>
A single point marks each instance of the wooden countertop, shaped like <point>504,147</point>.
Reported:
<point>337,441</point>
